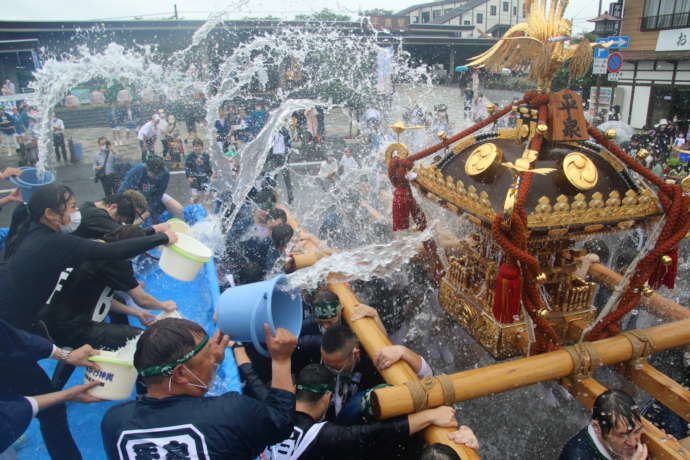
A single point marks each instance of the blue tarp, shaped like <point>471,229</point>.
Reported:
<point>196,301</point>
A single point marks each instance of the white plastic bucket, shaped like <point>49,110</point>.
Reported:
<point>179,226</point>
<point>118,376</point>
<point>184,259</point>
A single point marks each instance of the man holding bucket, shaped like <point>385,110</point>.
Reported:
<point>178,360</point>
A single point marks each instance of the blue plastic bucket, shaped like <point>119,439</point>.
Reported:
<point>684,156</point>
<point>243,310</point>
<point>30,179</point>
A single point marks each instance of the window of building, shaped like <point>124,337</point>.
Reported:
<point>665,14</point>
<point>447,11</point>
<point>466,22</point>
<point>506,7</point>
<point>480,18</point>
<point>437,13</point>
<point>415,19</point>
<point>492,11</point>
<point>425,17</point>
<point>515,11</point>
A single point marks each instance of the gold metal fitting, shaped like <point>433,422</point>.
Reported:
<point>442,135</point>
<point>543,313</point>
<point>666,260</point>
<point>647,291</point>
<point>491,108</point>
<point>541,278</point>
<point>535,113</point>
<point>611,133</point>
<point>642,154</point>
<point>542,129</point>
<point>524,110</point>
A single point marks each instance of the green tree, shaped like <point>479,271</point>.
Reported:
<point>377,12</point>
<point>325,15</point>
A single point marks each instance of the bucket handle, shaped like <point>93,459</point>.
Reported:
<point>252,329</point>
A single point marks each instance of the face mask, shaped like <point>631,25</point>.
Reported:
<point>202,385</point>
<point>74,221</point>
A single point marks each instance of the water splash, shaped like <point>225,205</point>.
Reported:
<point>364,263</point>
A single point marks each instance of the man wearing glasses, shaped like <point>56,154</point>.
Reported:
<point>355,372</point>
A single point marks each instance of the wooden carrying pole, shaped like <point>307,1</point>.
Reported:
<point>398,400</point>
<point>655,304</point>
<point>373,339</point>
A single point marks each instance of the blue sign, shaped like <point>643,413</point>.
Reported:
<point>615,62</point>
<point>601,53</point>
<point>619,41</point>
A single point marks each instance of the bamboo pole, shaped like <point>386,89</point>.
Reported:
<point>397,400</point>
<point>373,339</point>
<point>655,304</point>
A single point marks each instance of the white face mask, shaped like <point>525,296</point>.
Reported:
<point>74,221</point>
<point>202,385</point>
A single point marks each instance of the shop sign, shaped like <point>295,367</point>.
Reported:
<point>673,40</point>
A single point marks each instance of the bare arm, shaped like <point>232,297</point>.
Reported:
<point>147,301</point>
<point>76,393</point>
<point>281,347</point>
<point>443,416</point>
<point>145,317</point>
<point>387,356</point>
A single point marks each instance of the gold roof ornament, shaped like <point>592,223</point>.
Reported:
<point>580,171</point>
<point>482,158</point>
<point>541,45</point>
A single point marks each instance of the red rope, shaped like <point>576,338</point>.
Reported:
<point>514,243</point>
<point>677,224</point>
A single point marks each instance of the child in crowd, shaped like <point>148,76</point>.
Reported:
<point>198,171</point>
<point>175,150</point>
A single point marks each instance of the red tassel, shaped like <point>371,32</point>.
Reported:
<point>507,294</point>
<point>665,274</point>
<point>672,269</point>
<point>402,200</point>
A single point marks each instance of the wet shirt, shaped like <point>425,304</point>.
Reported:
<point>95,222</point>
<point>327,441</point>
<point>199,173</point>
<point>230,426</point>
<point>85,293</point>
<point>29,276</point>
<point>583,446</point>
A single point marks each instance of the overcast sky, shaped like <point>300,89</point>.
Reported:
<point>579,10</point>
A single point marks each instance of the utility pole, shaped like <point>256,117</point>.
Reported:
<point>600,1</point>
<point>177,18</point>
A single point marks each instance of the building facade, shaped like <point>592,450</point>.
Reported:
<point>491,17</point>
<point>654,82</point>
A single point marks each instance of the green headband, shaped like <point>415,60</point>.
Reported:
<point>321,388</point>
<point>167,369</point>
<point>326,310</point>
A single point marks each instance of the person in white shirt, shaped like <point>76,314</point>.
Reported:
<point>58,129</point>
<point>147,137</point>
<point>348,161</point>
<point>8,88</point>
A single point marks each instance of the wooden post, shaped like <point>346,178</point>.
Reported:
<point>659,444</point>
<point>655,304</point>
<point>474,383</point>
